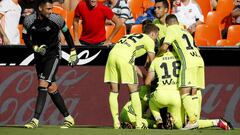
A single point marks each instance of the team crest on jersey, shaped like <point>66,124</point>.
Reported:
<point>47,28</point>
<point>33,28</point>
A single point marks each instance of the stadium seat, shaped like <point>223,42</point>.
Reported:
<point>61,11</point>
<point>120,34</point>
<point>225,7</point>
<point>70,17</point>
<point>233,34</point>
<point>210,33</point>
<point>201,42</point>
<point>205,6</point>
<point>136,28</point>
<point>136,7</point>
<point>147,4</point>
<point>20,29</point>
<point>169,7</point>
<point>224,42</point>
<point>215,18</point>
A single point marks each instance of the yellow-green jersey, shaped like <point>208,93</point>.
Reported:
<point>132,46</point>
<point>183,44</point>
<point>162,28</point>
<point>167,69</point>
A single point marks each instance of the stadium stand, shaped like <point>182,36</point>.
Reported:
<point>215,18</point>
<point>205,6</point>
<point>120,34</point>
<point>147,4</point>
<point>137,28</point>
<point>232,37</point>
<point>207,35</point>
<point>136,7</point>
<point>225,7</point>
<point>70,16</point>
<point>61,11</point>
<point>20,28</point>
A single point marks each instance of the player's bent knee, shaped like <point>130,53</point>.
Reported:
<point>52,88</point>
<point>43,83</point>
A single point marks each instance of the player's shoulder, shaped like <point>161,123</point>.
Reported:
<point>172,27</point>
<point>146,37</point>
<point>157,59</point>
<point>56,18</point>
<point>29,20</point>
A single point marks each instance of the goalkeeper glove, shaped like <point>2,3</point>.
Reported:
<point>40,50</point>
<point>73,59</point>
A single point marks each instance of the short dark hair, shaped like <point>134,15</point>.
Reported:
<point>41,2</point>
<point>165,3</point>
<point>150,27</point>
<point>171,18</point>
<point>147,21</point>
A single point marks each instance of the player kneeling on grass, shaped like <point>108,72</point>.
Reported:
<point>166,68</point>
<point>127,115</point>
<point>221,122</point>
<point>41,34</point>
<point>121,69</point>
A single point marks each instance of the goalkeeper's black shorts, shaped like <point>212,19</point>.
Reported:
<point>47,67</point>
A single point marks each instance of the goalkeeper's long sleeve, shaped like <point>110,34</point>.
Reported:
<point>27,40</point>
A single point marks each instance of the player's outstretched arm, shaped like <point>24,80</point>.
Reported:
<point>73,58</point>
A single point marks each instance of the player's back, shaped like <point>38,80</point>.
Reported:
<point>184,46</point>
<point>167,69</point>
<point>132,46</point>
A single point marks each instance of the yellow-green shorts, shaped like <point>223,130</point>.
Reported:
<point>192,77</point>
<point>119,70</point>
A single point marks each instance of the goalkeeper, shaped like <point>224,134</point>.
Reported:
<point>41,34</point>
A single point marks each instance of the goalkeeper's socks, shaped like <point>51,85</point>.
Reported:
<point>113,102</point>
<point>41,99</point>
<point>58,101</point>
<point>137,107</point>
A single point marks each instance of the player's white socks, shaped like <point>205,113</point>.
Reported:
<point>215,122</point>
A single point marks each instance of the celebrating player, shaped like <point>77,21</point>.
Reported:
<point>41,34</point>
<point>166,69</point>
<point>191,77</point>
<point>120,68</point>
<point>192,66</point>
<point>127,115</point>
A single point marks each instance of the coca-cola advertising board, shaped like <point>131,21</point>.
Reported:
<point>86,95</point>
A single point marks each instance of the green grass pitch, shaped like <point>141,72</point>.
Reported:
<point>55,130</point>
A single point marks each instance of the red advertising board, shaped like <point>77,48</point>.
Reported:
<point>86,95</point>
